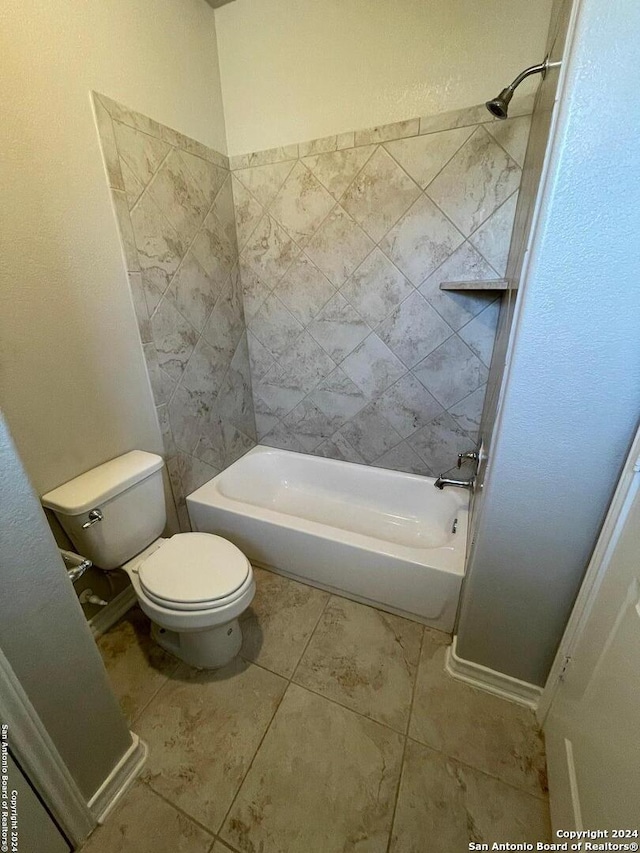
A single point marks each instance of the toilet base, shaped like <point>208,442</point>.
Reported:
<point>208,649</point>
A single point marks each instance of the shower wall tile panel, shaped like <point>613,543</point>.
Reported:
<point>174,206</point>
<point>355,352</point>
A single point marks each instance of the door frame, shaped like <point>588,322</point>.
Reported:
<point>32,747</point>
<point>624,495</point>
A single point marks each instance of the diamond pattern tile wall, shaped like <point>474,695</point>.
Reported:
<point>178,228</point>
<point>355,352</point>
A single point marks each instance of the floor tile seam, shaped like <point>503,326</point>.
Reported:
<point>253,757</point>
<point>404,745</point>
<point>227,845</point>
<point>179,809</point>
<point>544,797</point>
<point>311,635</point>
<point>137,716</point>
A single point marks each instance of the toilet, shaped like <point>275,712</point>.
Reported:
<point>193,586</point>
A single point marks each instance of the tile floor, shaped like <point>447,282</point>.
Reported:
<point>336,730</point>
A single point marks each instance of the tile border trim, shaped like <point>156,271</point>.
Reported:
<point>119,780</point>
<point>406,129</point>
<point>490,680</point>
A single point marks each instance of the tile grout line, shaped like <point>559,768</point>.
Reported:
<point>178,808</point>
<point>136,718</point>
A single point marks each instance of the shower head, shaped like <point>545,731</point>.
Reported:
<point>499,107</point>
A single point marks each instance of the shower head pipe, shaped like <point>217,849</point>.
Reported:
<point>499,107</point>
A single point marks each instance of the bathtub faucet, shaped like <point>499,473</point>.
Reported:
<point>441,482</point>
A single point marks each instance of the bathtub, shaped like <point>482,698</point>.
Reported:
<point>380,537</point>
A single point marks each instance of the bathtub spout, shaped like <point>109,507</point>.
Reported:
<point>441,482</point>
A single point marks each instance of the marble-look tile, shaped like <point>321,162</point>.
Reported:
<point>451,372</point>
<point>108,145</point>
<point>422,240</point>
<point>147,824</point>
<point>162,384</point>
<point>259,357</point>
<point>376,288</point>
<point>269,251</point>
<point>493,238</point>
<point>225,325</point>
<point>140,306</point>
<point>379,195</point>
<point>386,132</point>
<point>482,730</point>
<point>277,626</point>
<point>338,328</point>
<point>281,438</point>
<point>304,289</point>
<point>325,144</point>
<point>124,115</point>
<point>402,457</point>
<point>306,362</point>
<point>480,333</point>
<point>136,665</point>
<point>223,209</point>
<point>338,395</point>
<point>335,171</point>
<point>477,180</point>
<point>132,186</point>
<point>279,391</point>
<point>215,247</point>
<point>372,366</point>
<point>413,330</point>
<point>310,426</point>
<point>208,177</point>
<point>173,336</point>
<point>512,135</point>
<point>274,325</point>
<point>140,151</point>
<point>264,158</point>
<point>254,290</point>
<point>339,758</point>
<point>235,400</point>
<point>178,196</point>
<point>160,247</point>
<point>464,117</point>
<point>221,444</point>
<point>247,212</point>
<point>465,264</point>
<point>338,246</point>
<point>193,291</point>
<point>370,434</point>
<point>424,156</point>
<point>337,447</point>
<point>265,422</point>
<point>407,405</point>
<point>205,370</point>
<point>440,442</point>
<point>468,412</point>
<point>364,659</point>
<point>203,730</point>
<point>301,204</point>
<point>127,237</point>
<point>168,441</point>
<point>479,809</point>
<point>188,411</point>
<point>194,472</point>
<point>263,182</point>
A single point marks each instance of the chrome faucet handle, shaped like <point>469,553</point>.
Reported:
<point>94,517</point>
<point>462,457</point>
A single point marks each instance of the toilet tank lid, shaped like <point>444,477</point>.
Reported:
<point>100,484</point>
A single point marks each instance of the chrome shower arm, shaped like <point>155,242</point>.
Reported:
<point>499,106</point>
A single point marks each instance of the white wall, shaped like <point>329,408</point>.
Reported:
<point>294,70</point>
<point>72,378</point>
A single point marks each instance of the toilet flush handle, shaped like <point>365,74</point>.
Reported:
<point>94,517</point>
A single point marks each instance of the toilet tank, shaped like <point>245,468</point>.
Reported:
<point>127,493</point>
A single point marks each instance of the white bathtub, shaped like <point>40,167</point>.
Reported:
<point>378,536</point>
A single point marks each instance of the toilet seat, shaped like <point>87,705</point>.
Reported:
<point>194,572</point>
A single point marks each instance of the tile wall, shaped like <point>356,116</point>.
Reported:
<point>174,206</point>
<point>355,352</point>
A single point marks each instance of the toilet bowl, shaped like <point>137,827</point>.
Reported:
<point>193,586</point>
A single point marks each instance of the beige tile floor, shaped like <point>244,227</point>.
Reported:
<point>336,730</point>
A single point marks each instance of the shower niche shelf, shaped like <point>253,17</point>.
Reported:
<point>489,284</point>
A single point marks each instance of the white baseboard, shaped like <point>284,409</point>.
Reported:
<point>109,615</point>
<point>505,686</point>
<point>119,780</point>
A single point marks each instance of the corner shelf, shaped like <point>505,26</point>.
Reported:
<point>489,284</point>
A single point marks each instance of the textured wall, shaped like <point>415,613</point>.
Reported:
<point>355,352</point>
<point>174,206</point>
<point>298,70</point>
